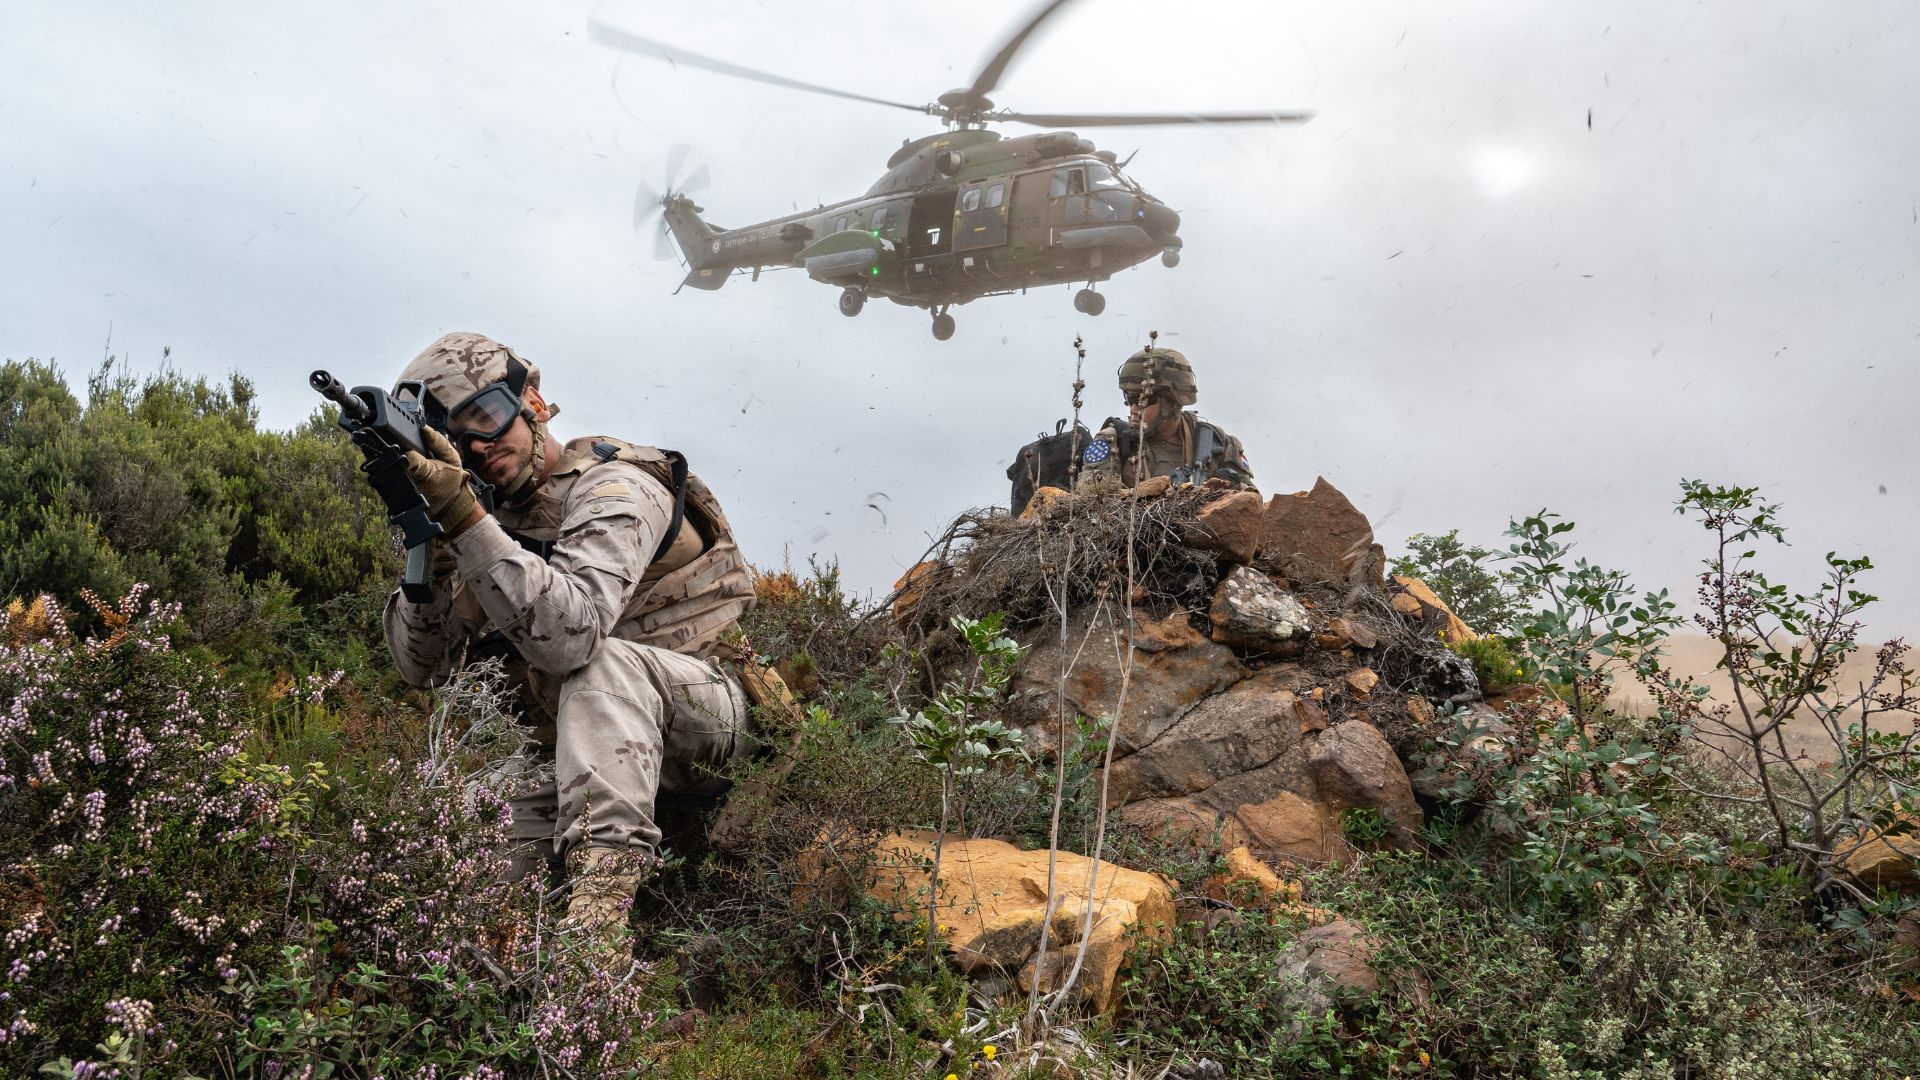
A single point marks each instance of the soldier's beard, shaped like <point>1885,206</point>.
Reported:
<point>519,490</point>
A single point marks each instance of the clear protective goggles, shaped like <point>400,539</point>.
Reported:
<point>486,415</point>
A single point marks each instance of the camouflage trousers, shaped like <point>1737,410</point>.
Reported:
<point>635,721</point>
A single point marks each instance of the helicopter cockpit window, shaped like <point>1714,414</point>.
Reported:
<point>970,199</point>
<point>879,219</point>
<point>1070,181</point>
<point>1105,177</point>
<point>996,195</point>
<point>841,225</point>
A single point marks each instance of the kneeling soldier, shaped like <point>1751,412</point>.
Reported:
<point>606,575</point>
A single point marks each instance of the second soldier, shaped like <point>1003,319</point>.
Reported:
<point>1161,435</point>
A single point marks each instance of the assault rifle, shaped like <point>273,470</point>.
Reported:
<point>385,427</point>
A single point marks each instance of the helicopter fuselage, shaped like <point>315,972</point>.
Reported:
<point>958,215</point>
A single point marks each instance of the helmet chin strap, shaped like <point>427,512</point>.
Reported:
<point>1169,409</point>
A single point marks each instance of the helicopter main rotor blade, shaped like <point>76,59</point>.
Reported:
<point>989,76</point>
<point>603,34</point>
<point>1147,119</point>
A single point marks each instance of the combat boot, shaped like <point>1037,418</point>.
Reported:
<point>604,882</point>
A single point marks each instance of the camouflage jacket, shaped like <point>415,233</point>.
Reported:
<point>1117,451</point>
<point>604,521</point>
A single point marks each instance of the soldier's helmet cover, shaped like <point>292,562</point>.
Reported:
<point>1165,371</point>
<point>458,366</point>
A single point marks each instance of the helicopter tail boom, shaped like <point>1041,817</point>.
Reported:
<point>698,241</point>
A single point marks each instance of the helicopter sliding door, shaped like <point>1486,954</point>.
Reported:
<point>930,225</point>
<point>981,218</point>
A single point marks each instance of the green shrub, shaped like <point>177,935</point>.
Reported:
<point>1364,827</point>
<point>168,481</point>
<point>1494,663</point>
<point>1221,993</point>
<point>1491,601</point>
<point>1648,986</point>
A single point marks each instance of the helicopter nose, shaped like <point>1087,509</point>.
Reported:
<point>1161,221</point>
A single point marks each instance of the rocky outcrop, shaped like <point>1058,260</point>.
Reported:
<point>1175,667</point>
<point>1415,600</point>
<point>1229,526</point>
<point>992,902</point>
<point>1289,808</point>
<point>912,587</point>
<point>1258,722</point>
<point>1318,536</point>
<point>1043,498</point>
<point>1353,767</point>
<point>1251,612</point>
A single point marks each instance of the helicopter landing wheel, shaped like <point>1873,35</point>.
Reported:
<point>1170,258</point>
<point>851,301</point>
<point>1090,302</point>
<point>942,326</point>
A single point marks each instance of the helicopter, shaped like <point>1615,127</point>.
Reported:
<point>960,214</point>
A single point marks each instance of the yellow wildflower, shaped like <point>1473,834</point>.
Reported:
<point>988,1051</point>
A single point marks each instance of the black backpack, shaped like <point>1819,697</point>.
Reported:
<point>1048,461</point>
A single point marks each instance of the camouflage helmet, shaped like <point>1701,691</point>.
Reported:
<point>1166,370</point>
<point>458,366</point>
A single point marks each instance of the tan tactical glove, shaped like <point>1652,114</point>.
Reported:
<point>442,480</point>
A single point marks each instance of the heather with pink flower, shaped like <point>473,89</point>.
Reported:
<point>163,888</point>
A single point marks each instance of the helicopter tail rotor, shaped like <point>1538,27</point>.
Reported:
<point>650,203</point>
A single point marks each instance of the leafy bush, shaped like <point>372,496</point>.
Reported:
<point>1492,601</point>
<point>1646,987</point>
<point>1579,797</point>
<point>168,481</point>
<point>955,734</point>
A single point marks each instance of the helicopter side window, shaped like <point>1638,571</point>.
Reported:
<point>879,219</point>
<point>841,225</point>
<point>996,195</point>
<point>970,199</point>
<point>1076,182</point>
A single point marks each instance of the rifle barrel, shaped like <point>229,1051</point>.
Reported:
<point>330,388</point>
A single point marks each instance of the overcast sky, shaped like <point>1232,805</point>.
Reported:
<point>1526,256</point>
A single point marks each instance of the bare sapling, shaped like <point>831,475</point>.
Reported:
<point>1785,655</point>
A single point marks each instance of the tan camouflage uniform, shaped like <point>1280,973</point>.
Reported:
<point>619,653</point>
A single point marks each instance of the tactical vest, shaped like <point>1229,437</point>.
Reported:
<point>698,584</point>
<point>1208,455</point>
